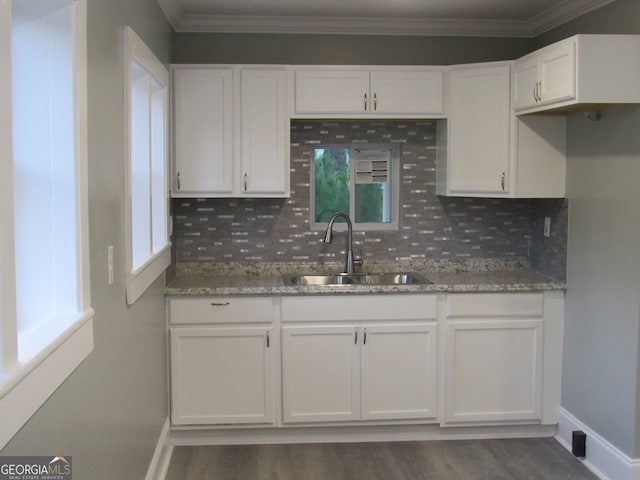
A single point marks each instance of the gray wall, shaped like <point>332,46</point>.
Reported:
<point>600,373</point>
<point>602,302</point>
<point>342,49</point>
<point>110,411</point>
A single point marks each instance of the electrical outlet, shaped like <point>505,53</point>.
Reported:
<point>110,265</point>
<point>547,226</point>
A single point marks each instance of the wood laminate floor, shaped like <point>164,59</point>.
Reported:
<point>512,459</point>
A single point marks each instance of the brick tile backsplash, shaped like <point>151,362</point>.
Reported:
<point>276,230</point>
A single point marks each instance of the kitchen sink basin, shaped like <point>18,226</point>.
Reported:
<point>357,279</point>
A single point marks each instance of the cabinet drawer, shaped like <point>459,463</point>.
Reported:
<point>360,308</point>
<point>495,305</point>
<point>189,310</point>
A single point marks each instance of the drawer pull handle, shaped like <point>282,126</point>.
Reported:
<point>220,304</point>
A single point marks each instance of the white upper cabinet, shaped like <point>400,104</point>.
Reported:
<point>479,124</point>
<point>231,131</point>
<point>546,77</point>
<point>264,137</point>
<point>331,91</point>
<point>203,130</point>
<point>370,92</point>
<point>486,151</point>
<point>407,92</point>
<point>581,70</point>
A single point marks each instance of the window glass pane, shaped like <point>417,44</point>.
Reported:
<point>44,160</point>
<point>331,182</point>
<point>373,203</point>
<point>158,170</point>
<point>140,165</point>
<point>372,184</point>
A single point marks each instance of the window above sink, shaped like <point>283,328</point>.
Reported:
<point>359,180</point>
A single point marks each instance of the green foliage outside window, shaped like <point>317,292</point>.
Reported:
<point>369,203</point>
<point>332,184</point>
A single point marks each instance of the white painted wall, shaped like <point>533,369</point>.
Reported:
<point>109,413</point>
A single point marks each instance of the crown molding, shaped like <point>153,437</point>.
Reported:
<point>351,26</point>
<point>561,13</point>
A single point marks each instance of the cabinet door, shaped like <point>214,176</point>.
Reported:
<point>332,91</point>
<point>479,131</point>
<point>264,149</point>
<point>407,92</point>
<point>493,371</point>
<point>221,375</point>
<point>558,73</point>
<point>398,371</point>
<point>525,80</point>
<point>320,373</point>
<point>203,131</point>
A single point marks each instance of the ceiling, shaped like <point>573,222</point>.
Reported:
<point>488,18</point>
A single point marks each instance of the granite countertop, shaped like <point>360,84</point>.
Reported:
<point>483,275</point>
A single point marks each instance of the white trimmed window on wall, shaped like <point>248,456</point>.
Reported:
<point>46,327</point>
<point>148,248</point>
<point>361,180</point>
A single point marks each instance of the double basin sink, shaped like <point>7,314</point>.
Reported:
<point>372,279</point>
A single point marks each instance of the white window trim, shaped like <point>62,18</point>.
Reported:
<point>24,387</point>
<point>138,280</point>
<point>395,194</point>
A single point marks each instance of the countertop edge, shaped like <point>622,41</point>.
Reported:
<point>365,290</point>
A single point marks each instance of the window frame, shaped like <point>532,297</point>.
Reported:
<point>139,278</point>
<point>395,188</point>
<point>26,384</point>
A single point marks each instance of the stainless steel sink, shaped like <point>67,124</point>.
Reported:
<point>400,278</point>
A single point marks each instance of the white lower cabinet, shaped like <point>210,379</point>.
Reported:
<point>320,367</point>
<point>338,370</point>
<point>458,360</point>
<point>495,359</point>
<point>398,371</point>
<point>222,365</point>
<point>493,370</point>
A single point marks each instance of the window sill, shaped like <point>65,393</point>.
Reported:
<point>140,279</point>
<point>25,390</point>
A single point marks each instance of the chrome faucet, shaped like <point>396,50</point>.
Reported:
<point>328,238</point>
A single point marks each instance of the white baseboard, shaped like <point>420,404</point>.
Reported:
<point>346,434</point>
<point>162,455</point>
<point>603,458</point>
